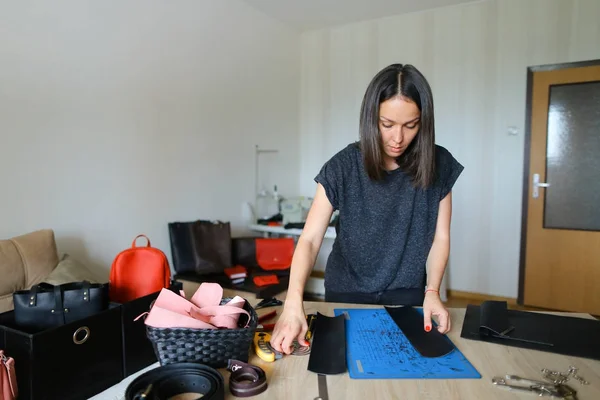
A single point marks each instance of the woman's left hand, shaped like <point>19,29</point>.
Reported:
<point>433,306</point>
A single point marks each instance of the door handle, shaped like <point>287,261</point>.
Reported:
<point>537,184</point>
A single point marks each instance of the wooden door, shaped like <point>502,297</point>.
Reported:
<point>560,255</point>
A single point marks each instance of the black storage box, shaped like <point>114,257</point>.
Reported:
<point>69,362</point>
<point>138,352</point>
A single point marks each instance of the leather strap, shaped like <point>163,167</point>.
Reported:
<point>33,296</point>
<point>58,308</point>
<point>9,390</point>
<point>246,380</point>
<point>133,244</point>
<point>167,381</point>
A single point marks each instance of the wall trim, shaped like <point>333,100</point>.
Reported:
<point>318,274</point>
<point>457,294</point>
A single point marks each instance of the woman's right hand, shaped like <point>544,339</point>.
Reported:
<point>290,326</point>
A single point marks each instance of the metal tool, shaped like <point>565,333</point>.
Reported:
<point>560,378</point>
<point>299,350</point>
<point>555,377</point>
<point>322,382</point>
<point>539,388</point>
<point>268,303</point>
<point>262,327</point>
<point>263,348</point>
<point>573,373</point>
<point>310,320</point>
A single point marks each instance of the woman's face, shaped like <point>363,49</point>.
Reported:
<point>399,122</point>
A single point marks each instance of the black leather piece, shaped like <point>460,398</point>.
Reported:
<point>571,336</point>
<point>328,350</point>
<point>412,323</point>
<point>246,380</point>
<point>168,381</point>
<point>46,306</point>
<point>494,318</point>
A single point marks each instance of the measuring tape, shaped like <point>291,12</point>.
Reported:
<point>266,352</point>
<point>263,348</point>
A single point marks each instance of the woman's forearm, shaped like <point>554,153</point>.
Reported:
<point>302,264</point>
<point>438,259</point>
<point>440,249</point>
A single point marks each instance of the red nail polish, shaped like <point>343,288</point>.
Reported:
<point>427,328</point>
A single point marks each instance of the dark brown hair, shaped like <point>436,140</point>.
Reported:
<point>418,160</point>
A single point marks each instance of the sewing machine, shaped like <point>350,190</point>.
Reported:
<point>295,209</point>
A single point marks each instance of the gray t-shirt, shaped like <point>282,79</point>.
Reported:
<point>385,229</point>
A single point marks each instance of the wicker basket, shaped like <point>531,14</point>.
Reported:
<point>212,347</point>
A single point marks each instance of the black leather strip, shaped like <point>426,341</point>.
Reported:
<point>167,381</point>
<point>33,296</point>
<point>412,324</point>
<point>86,290</point>
<point>58,307</point>
<point>246,380</point>
<point>328,350</point>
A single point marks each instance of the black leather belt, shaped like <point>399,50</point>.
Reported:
<point>170,380</point>
<point>246,380</point>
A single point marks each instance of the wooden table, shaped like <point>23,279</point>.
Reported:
<point>289,378</point>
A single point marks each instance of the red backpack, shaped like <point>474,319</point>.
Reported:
<point>137,272</point>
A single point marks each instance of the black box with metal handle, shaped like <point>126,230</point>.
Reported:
<point>138,350</point>
<point>72,361</point>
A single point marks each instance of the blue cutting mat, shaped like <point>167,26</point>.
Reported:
<point>377,349</point>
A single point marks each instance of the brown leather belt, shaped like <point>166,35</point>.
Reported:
<point>170,380</point>
<point>246,380</point>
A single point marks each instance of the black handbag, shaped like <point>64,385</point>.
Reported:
<point>201,247</point>
<point>46,306</point>
<point>243,251</point>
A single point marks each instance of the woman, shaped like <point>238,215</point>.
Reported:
<point>393,193</point>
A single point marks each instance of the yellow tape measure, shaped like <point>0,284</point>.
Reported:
<point>263,348</point>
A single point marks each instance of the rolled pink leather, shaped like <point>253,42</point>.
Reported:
<point>203,311</point>
<point>163,318</point>
<point>208,294</point>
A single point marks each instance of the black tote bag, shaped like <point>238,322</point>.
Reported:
<point>46,306</point>
<point>201,247</point>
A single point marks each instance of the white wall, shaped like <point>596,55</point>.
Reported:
<point>475,57</point>
<point>119,117</point>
